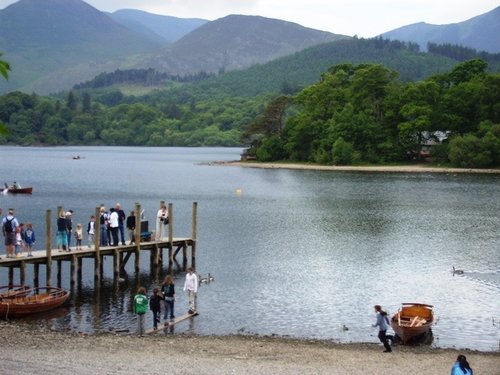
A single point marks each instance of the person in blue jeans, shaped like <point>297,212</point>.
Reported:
<point>168,291</point>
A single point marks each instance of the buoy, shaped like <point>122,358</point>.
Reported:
<point>238,191</point>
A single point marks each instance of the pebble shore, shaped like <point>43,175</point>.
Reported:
<point>25,351</point>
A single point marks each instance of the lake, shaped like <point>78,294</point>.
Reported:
<point>293,252</point>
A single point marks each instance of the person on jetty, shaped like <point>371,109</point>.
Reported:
<point>79,236</point>
<point>69,224</point>
<point>155,306</point>
<point>191,286</point>
<point>131,227</point>
<point>383,324</point>
<point>91,231</point>
<point>461,366</point>
<point>9,225</point>
<point>113,226</point>
<point>140,307</point>
<point>121,221</point>
<point>168,291</point>
<point>62,235</point>
<point>29,239</point>
<point>161,219</point>
<point>19,240</point>
<point>103,222</point>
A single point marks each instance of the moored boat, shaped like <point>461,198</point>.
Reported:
<point>12,291</point>
<point>36,300</point>
<point>412,320</point>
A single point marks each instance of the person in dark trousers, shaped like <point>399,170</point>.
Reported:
<point>121,221</point>
<point>155,306</point>
<point>131,227</point>
<point>168,291</point>
<point>383,324</point>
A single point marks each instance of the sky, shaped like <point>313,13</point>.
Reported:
<point>364,18</point>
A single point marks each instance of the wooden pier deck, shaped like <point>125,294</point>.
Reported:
<point>121,254</point>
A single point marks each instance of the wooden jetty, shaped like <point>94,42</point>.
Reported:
<point>121,254</point>
<point>167,325</point>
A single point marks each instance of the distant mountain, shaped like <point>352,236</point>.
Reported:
<point>481,33</point>
<point>235,42</point>
<point>43,36</point>
<point>168,29</point>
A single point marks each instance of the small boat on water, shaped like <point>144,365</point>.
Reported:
<point>412,320</point>
<point>12,190</point>
<point>36,300</point>
<point>13,291</point>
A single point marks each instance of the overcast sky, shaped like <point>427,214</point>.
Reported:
<point>365,18</point>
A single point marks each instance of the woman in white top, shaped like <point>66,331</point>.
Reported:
<point>161,216</point>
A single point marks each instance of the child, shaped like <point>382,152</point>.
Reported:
<point>79,236</point>
<point>140,307</point>
<point>91,231</point>
<point>19,241</point>
<point>155,306</point>
<point>168,291</point>
<point>29,238</point>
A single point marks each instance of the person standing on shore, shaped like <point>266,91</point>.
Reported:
<point>168,291</point>
<point>383,324</point>
<point>191,286</point>
<point>155,306</point>
<point>140,307</point>
<point>461,366</point>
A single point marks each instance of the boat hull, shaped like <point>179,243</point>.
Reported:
<point>412,320</point>
<point>26,190</point>
<point>36,301</point>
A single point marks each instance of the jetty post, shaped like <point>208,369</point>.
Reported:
<point>97,241</point>
<point>193,235</point>
<point>48,246</point>
<point>137,237</point>
<point>171,238</point>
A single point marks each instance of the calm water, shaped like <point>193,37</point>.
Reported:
<point>298,253</point>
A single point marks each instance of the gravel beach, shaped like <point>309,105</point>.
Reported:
<point>59,353</point>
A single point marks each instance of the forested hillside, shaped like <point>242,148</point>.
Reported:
<point>364,113</point>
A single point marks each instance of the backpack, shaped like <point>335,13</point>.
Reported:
<point>7,226</point>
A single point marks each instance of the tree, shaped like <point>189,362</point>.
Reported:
<point>270,123</point>
<point>419,106</point>
<point>4,69</point>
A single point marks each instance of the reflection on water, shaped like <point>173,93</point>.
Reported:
<point>298,253</point>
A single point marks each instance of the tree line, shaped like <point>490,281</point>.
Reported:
<point>359,114</point>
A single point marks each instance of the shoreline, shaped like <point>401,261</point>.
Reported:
<point>417,168</point>
<point>51,352</point>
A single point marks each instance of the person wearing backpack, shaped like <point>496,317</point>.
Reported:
<point>9,225</point>
<point>140,307</point>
